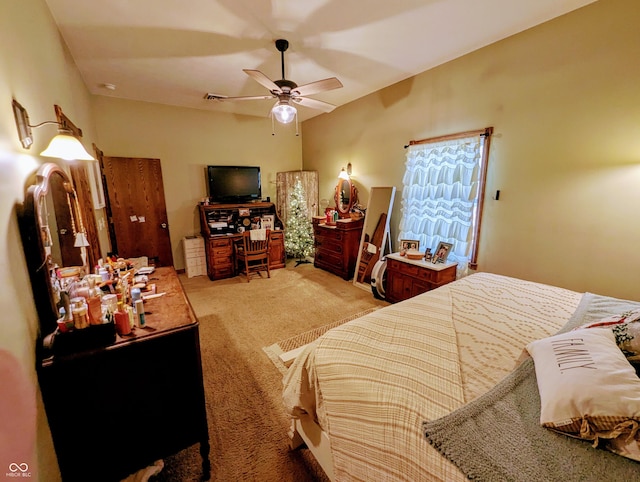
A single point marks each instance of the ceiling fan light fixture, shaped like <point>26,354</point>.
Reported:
<point>284,112</point>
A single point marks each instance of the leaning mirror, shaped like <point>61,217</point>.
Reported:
<point>48,221</point>
<point>375,234</point>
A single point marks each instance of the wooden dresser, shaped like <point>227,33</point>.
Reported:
<point>407,278</point>
<point>222,226</point>
<point>336,246</point>
<point>114,410</point>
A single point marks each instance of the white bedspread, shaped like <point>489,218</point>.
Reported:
<point>372,382</point>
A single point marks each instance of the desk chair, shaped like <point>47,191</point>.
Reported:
<point>252,256</point>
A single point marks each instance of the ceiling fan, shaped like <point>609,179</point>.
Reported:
<point>286,91</point>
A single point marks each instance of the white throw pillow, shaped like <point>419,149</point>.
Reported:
<point>587,387</point>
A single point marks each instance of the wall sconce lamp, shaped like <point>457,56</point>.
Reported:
<point>64,146</point>
<point>345,174</point>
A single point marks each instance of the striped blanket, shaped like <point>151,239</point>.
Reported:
<point>372,382</point>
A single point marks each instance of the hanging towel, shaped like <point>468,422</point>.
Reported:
<point>258,234</point>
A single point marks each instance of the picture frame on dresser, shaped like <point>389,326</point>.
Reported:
<point>442,252</point>
<point>406,244</point>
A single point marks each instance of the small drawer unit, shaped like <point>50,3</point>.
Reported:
<point>220,259</point>
<point>407,278</point>
<point>194,256</point>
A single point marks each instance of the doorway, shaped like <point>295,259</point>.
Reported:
<point>136,208</point>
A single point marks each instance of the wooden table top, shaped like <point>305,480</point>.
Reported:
<point>163,314</point>
<point>166,312</point>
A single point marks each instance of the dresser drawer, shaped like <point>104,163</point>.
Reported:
<point>404,268</point>
<point>221,260</point>
<point>327,258</point>
<point>329,245</point>
<point>221,252</point>
<point>219,242</point>
<point>427,274</point>
<point>223,271</point>
<point>328,233</point>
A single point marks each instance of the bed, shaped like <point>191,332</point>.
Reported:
<point>360,395</point>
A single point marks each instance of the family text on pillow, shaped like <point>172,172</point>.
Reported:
<point>588,389</point>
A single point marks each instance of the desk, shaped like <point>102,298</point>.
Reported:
<point>222,225</point>
<point>116,409</point>
<point>221,257</point>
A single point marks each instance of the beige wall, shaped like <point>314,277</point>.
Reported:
<point>35,69</point>
<point>564,99</point>
<point>187,140</point>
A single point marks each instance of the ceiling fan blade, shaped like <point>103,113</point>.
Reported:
<point>224,98</point>
<point>262,79</point>
<point>318,86</point>
<point>314,104</point>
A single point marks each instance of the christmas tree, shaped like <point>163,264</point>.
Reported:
<point>298,236</point>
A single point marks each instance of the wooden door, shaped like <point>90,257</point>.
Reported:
<point>66,216</point>
<point>136,209</point>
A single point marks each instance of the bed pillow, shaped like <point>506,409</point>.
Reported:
<point>587,387</point>
<point>626,328</point>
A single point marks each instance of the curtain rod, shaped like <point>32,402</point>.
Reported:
<point>486,132</point>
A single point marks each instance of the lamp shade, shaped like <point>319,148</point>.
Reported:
<point>284,112</point>
<point>81,241</point>
<point>67,147</point>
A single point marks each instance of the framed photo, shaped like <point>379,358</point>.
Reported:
<point>243,212</point>
<point>268,221</point>
<point>440,256</point>
<point>409,244</point>
<point>95,179</point>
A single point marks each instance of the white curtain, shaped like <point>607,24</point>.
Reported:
<point>439,197</point>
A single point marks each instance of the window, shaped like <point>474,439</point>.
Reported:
<point>443,192</point>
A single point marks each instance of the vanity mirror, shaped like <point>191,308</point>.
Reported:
<point>49,220</point>
<point>346,196</point>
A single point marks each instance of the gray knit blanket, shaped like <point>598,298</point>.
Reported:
<point>498,436</point>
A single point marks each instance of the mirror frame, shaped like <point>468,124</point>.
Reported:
<point>353,197</point>
<point>29,217</point>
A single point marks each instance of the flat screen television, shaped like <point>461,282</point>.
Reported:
<point>234,184</point>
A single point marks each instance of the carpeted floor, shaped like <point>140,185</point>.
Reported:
<point>247,424</point>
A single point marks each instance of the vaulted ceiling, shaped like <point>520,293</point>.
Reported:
<point>175,51</point>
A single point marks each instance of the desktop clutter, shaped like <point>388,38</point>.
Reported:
<point>95,307</point>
